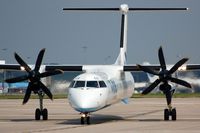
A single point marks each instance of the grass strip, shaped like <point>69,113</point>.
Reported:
<point>61,96</point>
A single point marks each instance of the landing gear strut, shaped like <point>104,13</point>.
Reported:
<point>85,117</point>
<point>170,111</point>
<point>40,111</point>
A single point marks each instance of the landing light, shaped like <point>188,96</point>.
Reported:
<point>22,68</point>
<point>182,68</point>
<point>83,115</point>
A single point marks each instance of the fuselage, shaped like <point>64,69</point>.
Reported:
<point>103,85</point>
<point>95,90</point>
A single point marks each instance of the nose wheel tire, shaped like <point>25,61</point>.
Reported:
<point>82,121</point>
<point>85,119</point>
<point>88,120</point>
<point>39,113</point>
<point>168,113</point>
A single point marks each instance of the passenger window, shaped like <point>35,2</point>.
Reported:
<point>79,84</point>
<point>102,84</point>
<point>72,84</point>
<point>92,84</point>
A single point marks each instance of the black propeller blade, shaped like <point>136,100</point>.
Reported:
<point>39,60</point>
<point>46,90</point>
<point>180,82</point>
<point>164,74</point>
<point>151,87</point>
<point>177,65</point>
<point>34,77</point>
<point>22,63</point>
<point>161,59</point>
<point>28,93</point>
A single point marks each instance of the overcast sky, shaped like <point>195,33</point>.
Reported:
<point>26,26</point>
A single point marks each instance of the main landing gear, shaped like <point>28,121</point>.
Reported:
<point>40,112</point>
<point>85,118</point>
<point>168,113</point>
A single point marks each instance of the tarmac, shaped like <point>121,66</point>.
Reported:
<point>141,115</point>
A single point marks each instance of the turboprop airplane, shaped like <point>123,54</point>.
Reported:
<point>99,86</point>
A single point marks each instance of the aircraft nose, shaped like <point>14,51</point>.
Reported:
<point>86,100</point>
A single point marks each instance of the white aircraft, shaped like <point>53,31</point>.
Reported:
<point>100,85</point>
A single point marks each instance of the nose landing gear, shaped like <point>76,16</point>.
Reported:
<point>85,117</point>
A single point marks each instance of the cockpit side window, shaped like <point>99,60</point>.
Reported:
<point>72,84</point>
<point>79,84</point>
<point>102,84</point>
<point>92,84</point>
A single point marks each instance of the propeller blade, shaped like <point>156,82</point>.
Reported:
<point>39,60</point>
<point>151,87</point>
<point>148,70</point>
<point>177,65</point>
<point>28,93</point>
<point>50,73</point>
<point>17,79</point>
<point>180,82</point>
<point>161,58</point>
<point>46,90</point>
<point>22,63</point>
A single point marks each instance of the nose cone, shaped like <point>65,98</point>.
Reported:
<point>86,100</point>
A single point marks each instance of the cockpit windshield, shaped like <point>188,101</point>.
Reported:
<point>72,84</point>
<point>90,84</point>
<point>102,84</point>
<point>79,84</point>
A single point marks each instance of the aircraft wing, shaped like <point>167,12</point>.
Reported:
<point>132,68</point>
<point>126,68</point>
<point>10,66</point>
<point>193,67</point>
<point>64,67</point>
<point>47,67</point>
<point>157,67</point>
